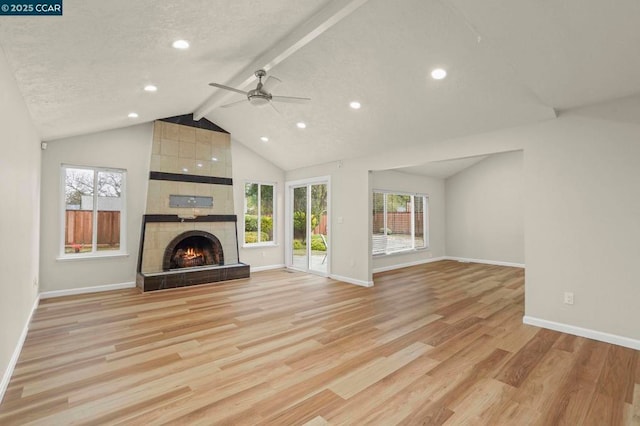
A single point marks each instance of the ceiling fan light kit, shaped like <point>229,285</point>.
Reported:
<point>261,95</point>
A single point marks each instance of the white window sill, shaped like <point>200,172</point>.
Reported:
<point>259,245</point>
<point>88,256</point>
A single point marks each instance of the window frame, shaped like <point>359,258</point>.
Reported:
<point>94,253</point>
<point>425,221</point>
<point>260,184</point>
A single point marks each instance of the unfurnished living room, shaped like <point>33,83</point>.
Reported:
<point>320,212</point>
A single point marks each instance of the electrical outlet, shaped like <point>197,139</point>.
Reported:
<point>35,282</point>
<point>568,298</point>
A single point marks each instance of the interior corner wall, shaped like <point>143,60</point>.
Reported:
<point>19,217</point>
<point>126,148</point>
<point>435,188</point>
<point>485,216</point>
<point>580,206</point>
<point>250,167</point>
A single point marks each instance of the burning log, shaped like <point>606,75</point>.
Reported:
<point>188,258</point>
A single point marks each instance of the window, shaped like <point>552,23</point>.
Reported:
<point>259,208</point>
<point>399,222</point>
<point>94,211</point>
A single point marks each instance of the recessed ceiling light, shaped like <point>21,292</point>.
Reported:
<point>199,164</point>
<point>438,74</point>
<point>133,115</point>
<point>181,44</point>
<point>355,105</point>
<point>264,139</point>
<point>301,125</point>
<point>214,159</point>
<point>150,88</point>
<point>185,169</point>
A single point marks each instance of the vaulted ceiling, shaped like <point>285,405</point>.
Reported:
<point>509,63</point>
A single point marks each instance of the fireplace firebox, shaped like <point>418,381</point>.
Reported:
<point>192,249</point>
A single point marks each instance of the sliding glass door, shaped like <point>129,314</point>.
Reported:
<point>308,226</point>
<point>299,253</point>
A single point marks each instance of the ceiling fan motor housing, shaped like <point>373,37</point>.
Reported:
<point>258,97</point>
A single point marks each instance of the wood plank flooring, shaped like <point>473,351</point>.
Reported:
<point>441,343</point>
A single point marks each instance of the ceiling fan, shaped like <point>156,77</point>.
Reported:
<point>261,95</point>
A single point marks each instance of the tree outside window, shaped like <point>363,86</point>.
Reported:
<point>259,211</point>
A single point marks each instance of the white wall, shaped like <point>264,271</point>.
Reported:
<point>130,148</point>
<point>127,148</point>
<point>349,239</point>
<point>435,189</point>
<point>581,211</point>
<point>582,224</point>
<point>351,193</point>
<point>249,166</point>
<point>19,217</point>
<point>485,216</point>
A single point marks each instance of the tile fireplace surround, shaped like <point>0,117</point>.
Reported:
<point>191,159</point>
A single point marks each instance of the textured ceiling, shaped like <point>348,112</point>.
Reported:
<point>509,63</point>
<point>570,52</point>
<point>85,71</point>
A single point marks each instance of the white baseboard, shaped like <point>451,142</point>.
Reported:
<point>407,264</point>
<point>266,268</point>
<point>486,262</point>
<point>351,280</point>
<point>583,332</point>
<point>6,377</point>
<point>84,290</point>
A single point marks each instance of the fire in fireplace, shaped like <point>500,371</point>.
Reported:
<point>190,257</point>
<point>192,249</point>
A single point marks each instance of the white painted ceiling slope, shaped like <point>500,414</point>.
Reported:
<point>509,63</point>
<point>442,169</point>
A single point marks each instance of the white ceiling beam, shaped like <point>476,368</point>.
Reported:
<point>287,46</point>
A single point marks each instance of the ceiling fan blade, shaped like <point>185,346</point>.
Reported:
<point>222,86</point>
<point>290,99</point>
<point>236,103</point>
<point>270,83</point>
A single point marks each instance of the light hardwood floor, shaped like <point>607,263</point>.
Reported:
<point>441,343</point>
